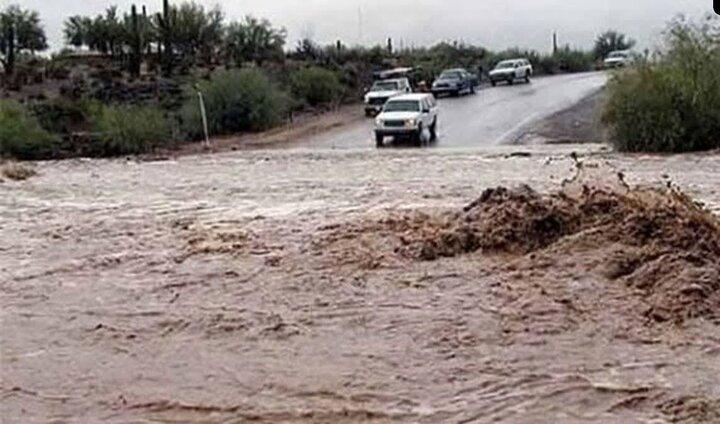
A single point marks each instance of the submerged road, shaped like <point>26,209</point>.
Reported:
<point>495,115</point>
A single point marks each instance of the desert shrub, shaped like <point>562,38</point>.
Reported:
<point>62,116</point>
<point>672,105</point>
<point>565,60</point>
<point>316,86</point>
<point>122,130</point>
<point>573,60</point>
<point>235,101</point>
<point>21,136</point>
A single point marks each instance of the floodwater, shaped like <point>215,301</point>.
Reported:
<point>241,287</point>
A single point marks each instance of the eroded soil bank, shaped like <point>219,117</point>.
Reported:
<point>397,286</point>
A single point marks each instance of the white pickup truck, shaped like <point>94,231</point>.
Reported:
<point>407,116</point>
<point>382,91</point>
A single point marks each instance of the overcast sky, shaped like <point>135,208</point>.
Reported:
<point>493,23</point>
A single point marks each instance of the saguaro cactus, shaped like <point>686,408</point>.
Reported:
<point>10,56</point>
<point>165,24</point>
<point>146,29</point>
<point>136,47</point>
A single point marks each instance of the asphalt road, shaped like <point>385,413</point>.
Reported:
<point>495,115</point>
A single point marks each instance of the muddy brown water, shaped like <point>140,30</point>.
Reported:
<point>205,290</point>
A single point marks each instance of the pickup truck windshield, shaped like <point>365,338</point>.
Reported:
<point>385,86</point>
<point>618,55</point>
<point>505,65</point>
<point>402,106</point>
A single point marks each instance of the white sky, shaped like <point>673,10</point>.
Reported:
<point>496,24</point>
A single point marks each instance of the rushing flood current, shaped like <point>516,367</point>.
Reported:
<point>278,287</point>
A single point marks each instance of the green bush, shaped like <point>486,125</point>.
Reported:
<point>62,116</point>
<point>123,130</point>
<point>21,136</point>
<point>573,60</point>
<point>235,101</point>
<point>672,105</point>
<point>316,86</point>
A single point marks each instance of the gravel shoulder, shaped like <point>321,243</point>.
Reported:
<point>579,123</point>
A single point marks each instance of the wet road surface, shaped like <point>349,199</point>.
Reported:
<point>493,116</point>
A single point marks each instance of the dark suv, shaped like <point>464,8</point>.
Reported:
<point>455,82</point>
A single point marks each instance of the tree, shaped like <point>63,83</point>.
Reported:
<point>196,33</point>
<point>254,40</point>
<point>76,29</point>
<point>20,31</point>
<point>105,33</point>
<point>125,38</point>
<point>611,41</point>
<point>306,49</point>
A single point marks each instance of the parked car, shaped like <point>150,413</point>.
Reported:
<point>510,71</point>
<point>383,90</point>
<point>407,116</point>
<point>618,59</point>
<point>455,82</point>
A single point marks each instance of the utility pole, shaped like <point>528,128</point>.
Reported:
<point>555,43</point>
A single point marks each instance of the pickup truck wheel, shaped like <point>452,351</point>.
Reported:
<point>493,83</point>
<point>379,139</point>
<point>511,81</point>
<point>472,88</point>
<point>418,136</point>
<point>527,77</point>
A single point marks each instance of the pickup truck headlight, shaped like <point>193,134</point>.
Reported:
<point>410,123</point>
<point>379,122</point>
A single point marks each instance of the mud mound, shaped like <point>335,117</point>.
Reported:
<point>372,243</point>
<point>506,220</point>
<point>658,241</point>
<point>15,171</point>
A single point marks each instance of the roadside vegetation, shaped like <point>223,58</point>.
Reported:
<point>128,82</point>
<point>21,135</point>
<point>123,130</point>
<point>235,101</point>
<point>316,86</point>
<point>672,105</point>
